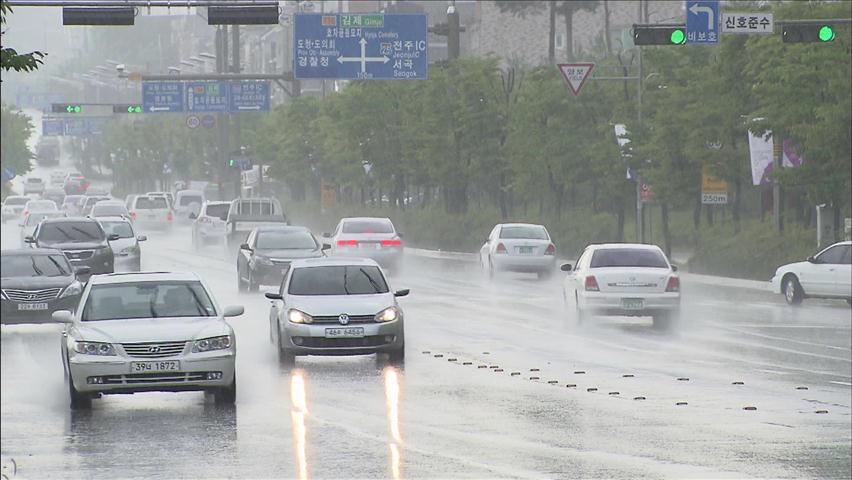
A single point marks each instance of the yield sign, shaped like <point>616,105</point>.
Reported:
<point>575,74</point>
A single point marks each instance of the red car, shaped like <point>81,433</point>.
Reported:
<point>76,184</point>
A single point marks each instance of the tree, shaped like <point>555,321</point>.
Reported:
<point>10,59</point>
<point>15,130</point>
<point>567,9</point>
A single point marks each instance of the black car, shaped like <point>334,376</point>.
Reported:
<point>35,283</point>
<point>82,240</point>
<point>267,254</point>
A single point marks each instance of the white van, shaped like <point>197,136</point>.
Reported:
<point>186,202</point>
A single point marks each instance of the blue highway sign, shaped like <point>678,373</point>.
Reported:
<point>371,46</point>
<point>249,96</point>
<point>207,96</point>
<point>52,127</point>
<point>702,22</point>
<point>162,97</point>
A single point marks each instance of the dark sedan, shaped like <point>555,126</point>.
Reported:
<point>82,240</point>
<point>267,254</point>
<point>35,283</point>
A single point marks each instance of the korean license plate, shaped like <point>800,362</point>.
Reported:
<point>32,306</point>
<point>525,250</point>
<point>632,303</point>
<point>152,367</point>
<point>349,332</point>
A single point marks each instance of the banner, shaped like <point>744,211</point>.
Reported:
<point>760,151</point>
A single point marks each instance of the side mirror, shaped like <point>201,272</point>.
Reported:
<point>62,316</point>
<point>326,235</point>
<point>566,267</point>
<point>674,268</point>
<point>399,234</point>
<point>193,216</point>
<point>273,296</point>
<point>82,270</point>
<point>401,293</point>
<point>810,259</point>
<point>326,246</point>
<point>141,238</point>
<point>29,239</point>
<point>112,236</point>
<point>233,311</point>
<point>245,247</point>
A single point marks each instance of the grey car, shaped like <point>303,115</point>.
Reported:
<point>336,306</point>
<point>82,240</point>
<point>125,249</point>
<point>367,237</point>
<point>35,283</point>
<point>268,252</point>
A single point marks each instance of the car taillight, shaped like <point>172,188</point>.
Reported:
<point>592,284</point>
<point>347,243</point>
<point>551,250</point>
<point>501,248</point>
<point>169,217</point>
<point>26,212</point>
<point>673,285</point>
<point>392,243</point>
<point>133,215</point>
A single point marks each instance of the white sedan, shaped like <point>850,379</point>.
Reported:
<point>155,331</point>
<point>828,274</point>
<point>518,247</point>
<point>623,279</point>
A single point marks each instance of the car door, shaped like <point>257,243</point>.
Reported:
<point>276,308</point>
<point>243,256</point>
<point>485,250</point>
<point>843,273</point>
<point>821,275</point>
<point>571,279</point>
<point>334,235</point>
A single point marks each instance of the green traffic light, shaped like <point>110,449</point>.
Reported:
<point>134,109</point>
<point>73,109</point>
<point>231,162</point>
<point>826,33</point>
<point>678,37</point>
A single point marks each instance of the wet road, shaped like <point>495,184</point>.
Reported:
<point>499,383</point>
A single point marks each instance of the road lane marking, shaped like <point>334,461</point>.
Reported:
<point>841,383</point>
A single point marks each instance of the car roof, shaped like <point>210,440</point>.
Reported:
<point>30,251</point>
<point>70,220</point>
<point>113,218</point>
<point>111,201</point>
<point>282,228</point>
<point>333,262</point>
<point>190,192</point>
<point>15,196</point>
<point>131,277</point>
<point>520,225</point>
<point>45,200</point>
<point>218,202</point>
<point>363,219</point>
<point>641,246</point>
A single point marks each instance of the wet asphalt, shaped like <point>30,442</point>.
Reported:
<point>499,382</point>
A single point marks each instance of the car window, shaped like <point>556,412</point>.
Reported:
<point>367,226</point>
<point>16,201</point>
<point>285,240</point>
<point>219,211</point>
<point>847,258</point>
<point>34,218</point>
<point>532,232</point>
<point>337,280</point>
<point>833,255</point>
<point>34,266</point>
<point>108,210</point>
<point>122,229</point>
<point>254,207</point>
<point>61,232</point>
<point>189,199</point>
<point>628,257</point>
<point>150,203</point>
<point>147,300</point>
<point>41,205</point>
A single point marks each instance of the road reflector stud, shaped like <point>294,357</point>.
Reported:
<point>553,382</point>
<point>821,411</point>
<point>592,389</point>
<point>749,408</point>
<point>801,388</point>
<point>627,375</point>
<point>482,366</point>
<point>515,373</point>
<point>439,355</point>
<point>452,359</point>
<point>534,370</point>
<point>486,353</point>
<point>498,369</point>
<point>534,378</point>
<point>682,379</point>
<point>426,352</point>
<point>680,404</point>
<point>737,383</point>
<point>467,363</point>
<point>638,398</point>
<point>579,372</point>
<point>614,393</point>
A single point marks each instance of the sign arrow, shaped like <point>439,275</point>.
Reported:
<point>251,107</point>
<point>363,59</point>
<point>159,109</point>
<point>696,9</point>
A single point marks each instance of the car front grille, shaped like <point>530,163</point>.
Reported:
<point>31,295</point>
<point>326,319</point>
<point>154,350</point>
<point>78,254</point>
<point>321,342</point>
<point>167,377</point>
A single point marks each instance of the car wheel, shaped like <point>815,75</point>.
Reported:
<point>79,401</point>
<point>397,357</point>
<point>582,316</point>
<point>137,267</point>
<point>793,293</point>
<point>227,395</point>
<point>285,358</point>
<point>241,287</point>
<point>849,302</point>
<point>252,285</point>
<point>490,269</point>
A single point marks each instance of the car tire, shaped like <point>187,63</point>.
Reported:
<point>137,267</point>
<point>582,316</point>
<point>397,357</point>
<point>252,285</point>
<point>490,269</point>
<point>79,401</point>
<point>241,287</point>
<point>227,395</point>
<point>285,358</point>
<point>792,290</point>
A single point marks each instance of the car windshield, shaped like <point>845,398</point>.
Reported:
<point>338,280</point>
<point>151,203</point>
<point>16,201</point>
<point>62,232</point>
<point>93,200</point>
<point>147,300</point>
<point>34,266</point>
<point>367,226</point>
<point>41,205</point>
<point>122,229</point>
<point>286,240</point>
<point>189,200</point>
<point>34,217</point>
<point>219,211</point>
<point>628,257</point>
<point>532,232</point>
<point>34,180</point>
<point>108,210</point>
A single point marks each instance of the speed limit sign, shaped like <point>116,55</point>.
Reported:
<point>193,121</point>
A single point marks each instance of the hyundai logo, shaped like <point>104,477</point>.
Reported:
<point>154,349</point>
<point>31,296</point>
<point>343,319</point>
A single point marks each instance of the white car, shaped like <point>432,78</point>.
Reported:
<point>187,202</point>
<point>31,220</point>
<point>151,211</point>
<point>367,237</point>
<point>90,201</point>
<point>623,279</point>
<point>57,177</point>
<point>167,195</point>
<point>108,208</point>
<point>828,274</point>
<point>39,206</point>
<point>518,247</point>
<point>13,206</point>
<point>33,185</point>
<point>153,331</point>
<point>336,306</point>
<point>209,225</point>
<point>126,250</point>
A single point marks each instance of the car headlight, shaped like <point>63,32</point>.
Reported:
<point>263,260</point>
<point>94,348</point>
<point>74,289</point>
<point>212,343</point>
<point>388,315</point>
<point>297,316</point>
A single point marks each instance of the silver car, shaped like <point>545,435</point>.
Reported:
<point>108,208</point>
<point>13,206</point>
<point>336,306</point>
<point>31,220</point>
<point>367,237</point>
<point>518,247</point>
<point>125,248</point>
<point>155,331</point>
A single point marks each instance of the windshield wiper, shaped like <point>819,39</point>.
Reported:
<point>202,310</point>
<point>67,235</point>
<point>345,278</point>
<point>84,232</point>
<point>375,284</point>
<point>58,266</point>
<point>35,268</point>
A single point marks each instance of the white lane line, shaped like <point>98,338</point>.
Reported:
<point>772,337</point>
<point>841,383</point>
<point>796,325</point>
<point>772,371</point>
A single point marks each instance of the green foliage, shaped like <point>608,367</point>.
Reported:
<point>10,59</point>
<point>15,130</point>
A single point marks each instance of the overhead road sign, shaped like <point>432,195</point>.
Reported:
<point>575,75</point>
<point>247,96</point>
<point>702,22</point>
<point>749,23</point>
<point>127,108</point>
<point>242,15</point>
<point>659,34</point>
<point>207,96</point>
<point>372,46</point>
<point>124,15</point>
<point>82,109</point>
<point>162,97</point>
<point>52,127</point>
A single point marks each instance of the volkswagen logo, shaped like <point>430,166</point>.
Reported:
<point>154,349</point>
<point>343,319</point>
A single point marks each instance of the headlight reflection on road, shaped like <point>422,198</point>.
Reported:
<point>392,399</point>
<point>299,410</point>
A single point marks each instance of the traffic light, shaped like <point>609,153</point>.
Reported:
<point>242,15</point>
<point>808,32</point>
<point>127,108</point>
<point>66,108</point>
<point>98,15</point>
<point>659,34</point>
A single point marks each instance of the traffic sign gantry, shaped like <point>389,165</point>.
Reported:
<point>372,46</point>
<point>702,22</point>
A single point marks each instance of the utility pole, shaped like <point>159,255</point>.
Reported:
<point>453,36</point>
<point>238,143</point>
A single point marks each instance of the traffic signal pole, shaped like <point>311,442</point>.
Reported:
<point>235,68</point>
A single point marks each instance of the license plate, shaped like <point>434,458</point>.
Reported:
<point>152,367</point>
<point>351,332</point>
<point>32,306</point>
<point>525,250</point>
<point>632,303</point>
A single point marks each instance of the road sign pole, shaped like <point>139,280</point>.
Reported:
<point>235,68</point>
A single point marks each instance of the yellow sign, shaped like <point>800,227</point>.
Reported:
<point>135,76</point>
<point>711,184</point>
